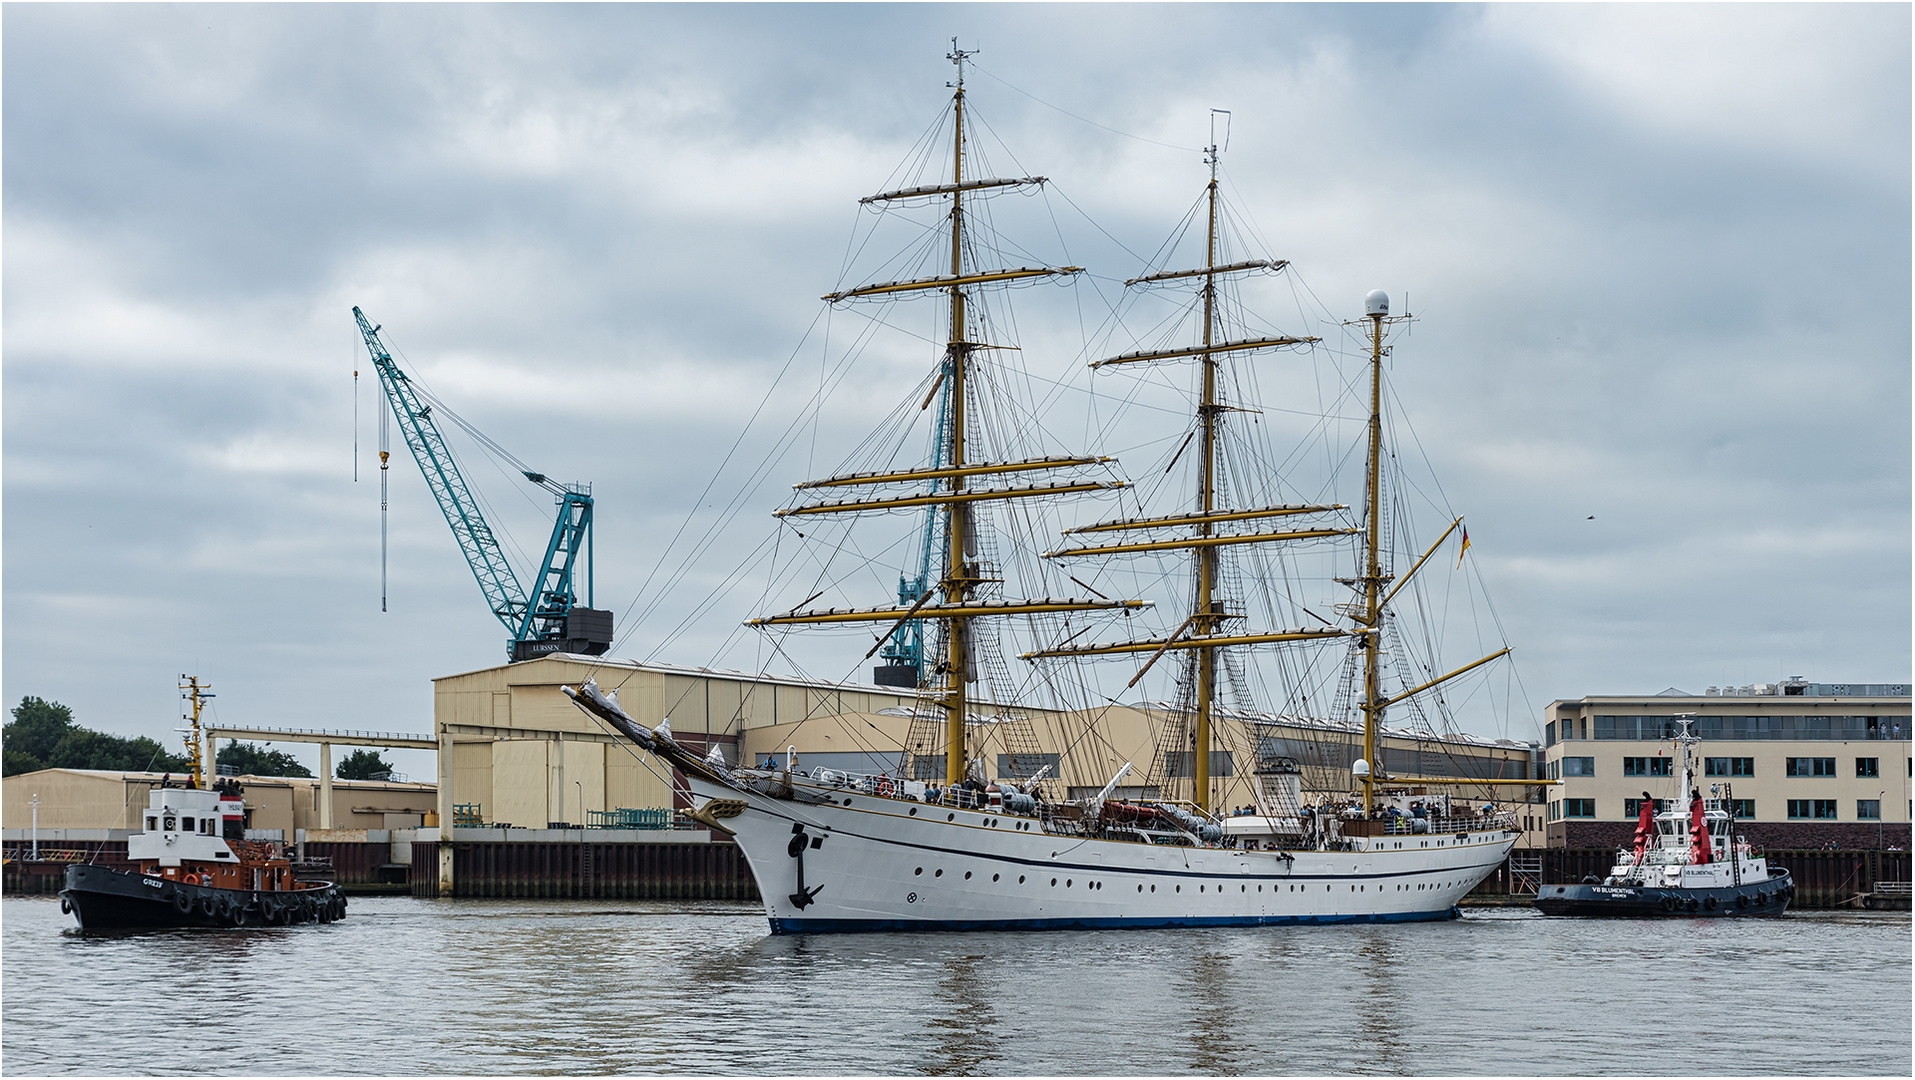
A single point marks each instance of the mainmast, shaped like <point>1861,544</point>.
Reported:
<point>1207,615</point>
<point>1203,630</point>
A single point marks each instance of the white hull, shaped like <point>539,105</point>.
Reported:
<point>871,863</point>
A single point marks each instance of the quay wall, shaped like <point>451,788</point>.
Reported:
<point>578,869</point>
<point>717,871</point>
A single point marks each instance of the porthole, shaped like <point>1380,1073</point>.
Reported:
<point>939,872</point>
<point>1153,888</point>
<point>1180,888</point>
<point>1140,888</point>
<point>993,877</point>
<point>1200,888</point>
<point>967,875</point>
<point>1243,888</point>
<point>1020,879</point>
<point>1053,883</point>
<point>847,802</point>
<point>950,817</point>
<point>918,871</point>
<point>914,811</point>
<point>1067,883</point>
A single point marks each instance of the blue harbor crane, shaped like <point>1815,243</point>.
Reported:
<point>903,654</point>
<point>555,621</point>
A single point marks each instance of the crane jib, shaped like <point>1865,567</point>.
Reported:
<point>552,617</point>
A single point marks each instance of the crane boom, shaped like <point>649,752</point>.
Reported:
<point>556,622</point>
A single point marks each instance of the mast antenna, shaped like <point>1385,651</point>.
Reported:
<point>1212,153</point>
<point>959,56</point>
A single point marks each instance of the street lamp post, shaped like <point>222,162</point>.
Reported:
<point>580,784</point>
<point>1880,798</point>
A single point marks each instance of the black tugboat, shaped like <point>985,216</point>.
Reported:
<point>1686,862</point>
<point>196,868</point>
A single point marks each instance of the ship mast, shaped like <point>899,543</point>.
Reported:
<point>957,584</point>
<point>1205,618</point>
<point>1202,633</point>
<point>1373,579</point>
<point>944,486</point>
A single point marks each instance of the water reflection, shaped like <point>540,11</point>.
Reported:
<point>1382,1003</point>
<point>551,987</point>
<point>1213,1013</point>
<point>965,1038</point>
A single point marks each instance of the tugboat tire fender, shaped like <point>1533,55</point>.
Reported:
<point>1668,903</point>
<point>1692,905</point>
<point>66,906</point>
<point>1741,902</point>
<point>181,901</point>
<point>1710,903</point>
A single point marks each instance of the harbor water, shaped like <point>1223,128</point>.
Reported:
<point>408,986</point>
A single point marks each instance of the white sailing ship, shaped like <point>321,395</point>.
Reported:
<point>947,843</point>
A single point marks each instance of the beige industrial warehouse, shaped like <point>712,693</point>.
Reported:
<point>96,802</point>
<point>523,754</point>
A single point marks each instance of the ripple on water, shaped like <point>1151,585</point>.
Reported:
<point>599,987</point>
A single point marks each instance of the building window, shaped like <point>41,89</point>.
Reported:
<point>1868,766</point>
<point>1025,766</point>
<point>1549,733</point>
<point>1743,808</point>
<point>1811,766</point>
<point>1868,809</point>
<point>1579,808</point>
<point>1728,766</point>
<point>1556,810</point>
<point>1579,766</point>
<point>1633,807</point>
<point>1812,808</point>
<point>1648,766</point>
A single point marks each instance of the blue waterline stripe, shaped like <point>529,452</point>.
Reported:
<point>845,926</point>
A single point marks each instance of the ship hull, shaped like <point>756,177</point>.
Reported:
<point>102,898</point>
<point>860,862</point>
<point>1768,897</point>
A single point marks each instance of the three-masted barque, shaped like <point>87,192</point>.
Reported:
<point>946,843</point>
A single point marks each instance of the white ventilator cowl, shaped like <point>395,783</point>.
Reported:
<point>1377,303</point>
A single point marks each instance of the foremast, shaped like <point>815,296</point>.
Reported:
<point>962,574</point>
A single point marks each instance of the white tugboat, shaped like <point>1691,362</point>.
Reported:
<point>1685,861</point>
<point>195,867</point>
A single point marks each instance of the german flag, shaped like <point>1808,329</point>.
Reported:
<point>1464,549</point>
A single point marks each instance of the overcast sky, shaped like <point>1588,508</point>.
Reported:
<point>1661,254</point>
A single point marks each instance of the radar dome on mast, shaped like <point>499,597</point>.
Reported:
<point>1377,303</point>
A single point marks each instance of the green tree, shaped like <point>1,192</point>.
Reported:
<point>251,758</point>
<point>44,736</point>
<point>364,765</point>
<point>38,726</point>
